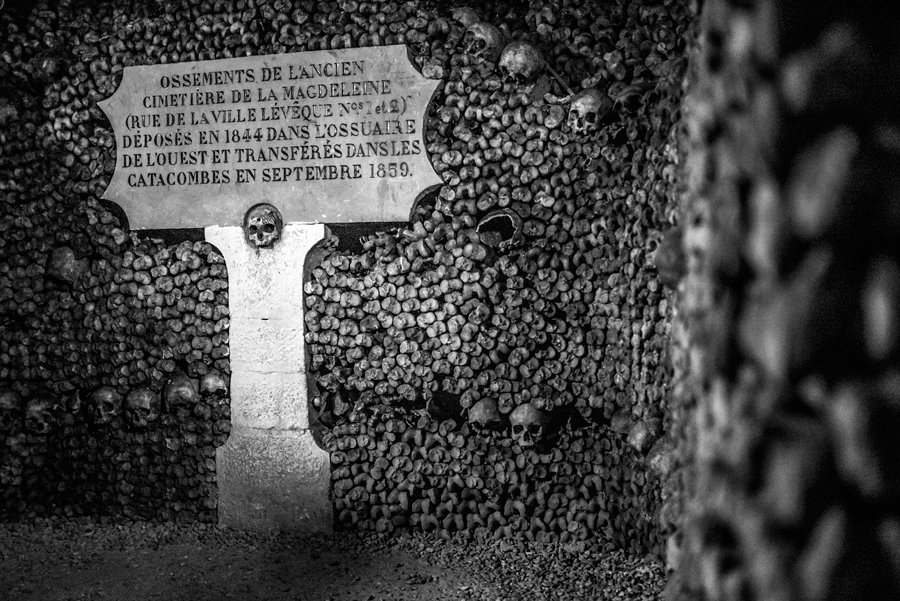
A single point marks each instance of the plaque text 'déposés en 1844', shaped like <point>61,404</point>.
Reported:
<point>332,136</point>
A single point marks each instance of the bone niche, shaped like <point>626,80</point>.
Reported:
<point>263,225</point>
<point>500,229</point>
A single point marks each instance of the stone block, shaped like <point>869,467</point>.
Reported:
<point>267,345</point>
<point>269,400</point>
<point>271,279</point>
<point>273,480</point>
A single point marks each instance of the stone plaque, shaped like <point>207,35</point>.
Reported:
<point>326,136</point>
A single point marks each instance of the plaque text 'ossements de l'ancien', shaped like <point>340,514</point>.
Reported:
<point>333,136</point>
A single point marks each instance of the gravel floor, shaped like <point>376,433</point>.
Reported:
<point>59,560</point>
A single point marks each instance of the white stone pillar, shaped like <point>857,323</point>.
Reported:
<point>271,474</point>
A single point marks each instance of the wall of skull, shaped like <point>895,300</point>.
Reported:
<point>497,366</point>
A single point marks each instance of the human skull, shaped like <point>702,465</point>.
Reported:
<point>486,41</point>
<point>39,413</point>
<point>63,266</point>
<point>465,15</point>
<point>142,406</point>
<point>520,62</point>
<point>106,404</point>
<point>587,109</point>
<point>214,384</point>
<point>262,225</point>
<point>10,409</point>
<point>528,425</point>
<point>485,413</point>
<point>181,391</point>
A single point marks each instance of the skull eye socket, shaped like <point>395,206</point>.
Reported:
<point>591,117</point>
<point>517,428</point>
<point>252,229</point>
<point>534,429</point>
<point>268,228</point>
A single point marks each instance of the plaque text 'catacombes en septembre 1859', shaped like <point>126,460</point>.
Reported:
<point>334,136</point>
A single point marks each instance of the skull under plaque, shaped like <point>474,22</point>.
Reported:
<point>263,225</point>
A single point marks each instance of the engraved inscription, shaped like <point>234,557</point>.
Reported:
<point>325,136</point>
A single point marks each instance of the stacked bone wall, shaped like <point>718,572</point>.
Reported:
<point>86,306</point>
<point>529,277</point>
<point>788,406</point>
<point>526,281</point>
